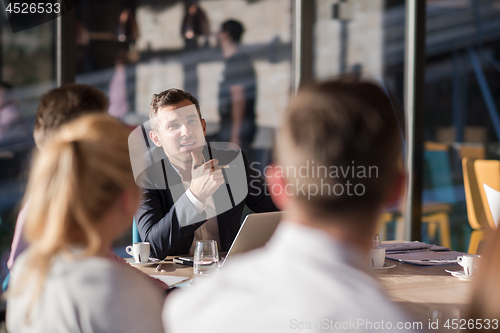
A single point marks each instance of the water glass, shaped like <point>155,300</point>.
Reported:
<point>206,258</point>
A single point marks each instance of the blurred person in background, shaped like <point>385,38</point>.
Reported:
<point>127,30</point>
<point>82,196</point>
<point>82,35</point>
<point>56,108</point>
<point>315,266</point>
<point>194,25</point>
<point>127,33</point>
<point>119,105</point>
<point>237,90</point>
<point>11,120</point>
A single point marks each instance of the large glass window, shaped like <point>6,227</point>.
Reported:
<point>365,38</point>
<point>27,71</point>
<point>461,109</point>
<point>134,49</point>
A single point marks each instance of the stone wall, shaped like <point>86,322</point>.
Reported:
<point>264,21</point>
<point>364,41</point>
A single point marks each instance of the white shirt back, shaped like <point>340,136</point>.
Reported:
<point>302,280</point>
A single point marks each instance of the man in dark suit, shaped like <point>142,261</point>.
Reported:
<point>193,190</point>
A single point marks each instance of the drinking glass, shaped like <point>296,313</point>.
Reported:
<point>206,258</point>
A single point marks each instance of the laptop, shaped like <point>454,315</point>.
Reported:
<point>254,232</point>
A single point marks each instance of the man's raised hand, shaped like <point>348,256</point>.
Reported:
<point>206,178</point>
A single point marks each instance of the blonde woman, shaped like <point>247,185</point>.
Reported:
<point>82,197</point>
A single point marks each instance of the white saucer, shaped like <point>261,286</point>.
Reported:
<point>461,275</point>
<point>131,261</point>
<point>385,267</point>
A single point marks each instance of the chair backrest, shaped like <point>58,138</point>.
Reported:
<point>5,283</point>
<point>436,156</point>
<point>475,209</point>
<point>136,237</point>
<point>488,172</point>
<point>470,151</point>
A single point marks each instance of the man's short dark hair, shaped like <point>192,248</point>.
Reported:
<point>234,29</point>
<point>64,104</point>
<point>341,126</point>
<point>169,97</point>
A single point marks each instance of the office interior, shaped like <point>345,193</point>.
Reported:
<point>439,60</point>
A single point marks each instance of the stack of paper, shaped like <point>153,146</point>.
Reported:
<point>422,254</point>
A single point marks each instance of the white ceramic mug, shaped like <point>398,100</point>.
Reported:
<point>469,263</point>
<point>140,251</point>
<point>377,257</point>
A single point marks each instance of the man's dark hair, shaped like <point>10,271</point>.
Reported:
<point>169,97</point>
<point>341,125</point>
<point>64,104</point>
<point>234,29</point>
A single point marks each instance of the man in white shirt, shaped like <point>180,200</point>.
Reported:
<point>337,165</point>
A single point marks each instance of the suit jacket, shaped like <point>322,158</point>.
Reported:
<point>165,216</point>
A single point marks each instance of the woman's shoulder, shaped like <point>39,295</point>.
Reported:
<point>92,271</point>
<point>120,292</point>
<point>113,296</point>
<point>100,283</point>
<point>91,276</point>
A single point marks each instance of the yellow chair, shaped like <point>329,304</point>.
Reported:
<point>476,211</point>
<point>436,214</point>
<point>471,151</point>
<point>386,218</point>
<point>487,172</point>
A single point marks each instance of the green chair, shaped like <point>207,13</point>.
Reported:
<point>5,283</point>
<point>136,238</point>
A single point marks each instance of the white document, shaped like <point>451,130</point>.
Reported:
<point>493,197</point>
<point>169,279</point>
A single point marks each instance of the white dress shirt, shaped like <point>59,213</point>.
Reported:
<point>302,280</point>
<point>210,229</point>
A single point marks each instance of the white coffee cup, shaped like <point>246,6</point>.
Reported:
<point>469,263</point>
<point>377,257</point>
<point>140,251</point>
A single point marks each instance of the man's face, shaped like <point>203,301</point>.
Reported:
<point>222,37</point>
<point>179,131</point>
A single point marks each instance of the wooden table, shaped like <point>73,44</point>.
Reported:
<point>420,290</point>
<point>420,284</point>
<point>417,289</point>
<point>168,268</point>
